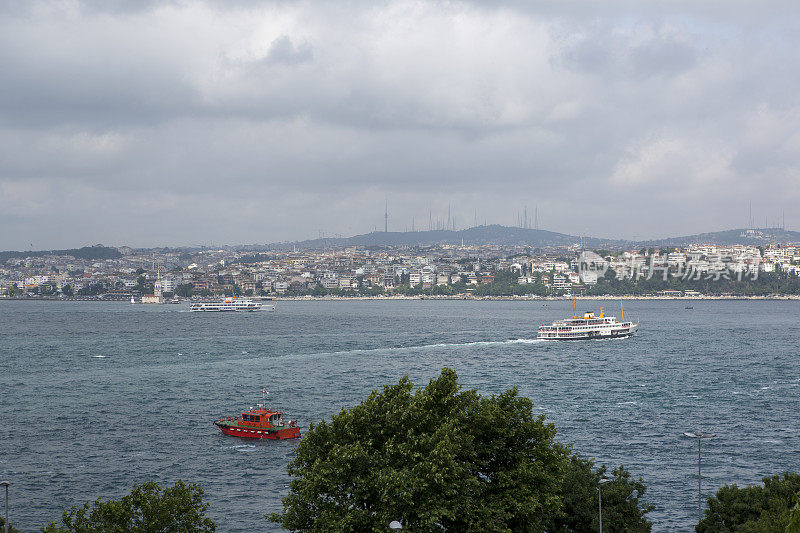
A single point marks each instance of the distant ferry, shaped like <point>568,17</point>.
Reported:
<point>588,326</point>
<point>231,304</point>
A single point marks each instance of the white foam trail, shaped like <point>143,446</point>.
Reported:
<point>240,447</point>
<point>440,345</point>
<point>431,346</point>
<point>475,343</point>
<point>99,356</point>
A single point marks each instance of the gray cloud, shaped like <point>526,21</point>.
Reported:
<point>282,50</point>
<point>132,123</point>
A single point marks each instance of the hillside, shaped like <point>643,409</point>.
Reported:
<point>752,237</point>
<point>479,235</point>
<point>87,252</point>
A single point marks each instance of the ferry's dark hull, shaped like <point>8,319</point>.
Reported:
<point>590,337</point>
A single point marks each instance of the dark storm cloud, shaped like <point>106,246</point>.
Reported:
<point>285,119</point>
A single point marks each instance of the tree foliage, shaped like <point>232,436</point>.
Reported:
<point>753,509</point>
<point>623,509</point>
<point>11,528</point>
<point>764,284</point>
<point>442,459</point>
<point>184,290</point>
<point>794,515</point>
<point>179,509</point>
<point>91,253</point>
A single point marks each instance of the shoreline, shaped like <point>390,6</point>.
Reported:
<point>454,298</point>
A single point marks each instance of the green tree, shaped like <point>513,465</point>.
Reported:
<point>184,290</point>
<point>753,509</point>
<point>622,507</point>
<point>66,290</point>
<point>794,516</point>
<point>179,508</point>
<point>436,459</point>
<point>141,284</point>
<point>11,528</point>
<point>319,290</point>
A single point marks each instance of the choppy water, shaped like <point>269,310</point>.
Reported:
<point>98,396</point>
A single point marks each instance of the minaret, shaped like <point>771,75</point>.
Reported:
<point>159,295</point>
<point>386,218</point>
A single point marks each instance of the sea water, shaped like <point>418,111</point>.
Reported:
<point>98,396</point>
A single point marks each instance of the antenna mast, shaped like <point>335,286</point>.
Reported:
<point>448,217</point>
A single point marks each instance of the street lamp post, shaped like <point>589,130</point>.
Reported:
<point>699,436</point>
<point>6,484</point>
<point>600,483</point>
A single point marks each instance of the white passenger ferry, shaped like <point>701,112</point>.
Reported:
<point>588,326</point>
<point>232,304</point>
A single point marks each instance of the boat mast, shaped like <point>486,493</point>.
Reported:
<point>622,309</point>
<point>574,305</point>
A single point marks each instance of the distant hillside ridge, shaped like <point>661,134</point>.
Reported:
<point>475,236</point>
<point>751,237</point>
<point>536,238</point>
<point>97,252</point>
<point>479,235</point>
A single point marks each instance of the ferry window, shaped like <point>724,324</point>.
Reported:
<point>245,417</point>
<point>256,418</point>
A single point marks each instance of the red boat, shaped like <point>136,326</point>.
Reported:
<point>259,423</point>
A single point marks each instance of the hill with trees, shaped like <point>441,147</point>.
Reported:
<point>535,238</point>
<point>91,253</point>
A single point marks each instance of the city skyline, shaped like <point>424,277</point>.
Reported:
<point>178,124</point>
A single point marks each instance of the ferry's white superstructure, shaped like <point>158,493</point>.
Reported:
<point>588,326</point>
<point>231,304</point>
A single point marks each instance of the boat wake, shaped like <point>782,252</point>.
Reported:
<point>240,447</point>
<point>436,346</point>
<point>479,343</point>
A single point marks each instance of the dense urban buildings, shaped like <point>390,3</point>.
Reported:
<point>440,270</point>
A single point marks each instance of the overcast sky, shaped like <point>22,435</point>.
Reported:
<point>182,123</point>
